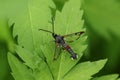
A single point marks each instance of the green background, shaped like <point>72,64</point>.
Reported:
<point>102,21</point>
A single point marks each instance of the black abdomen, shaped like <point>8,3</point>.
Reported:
<point>68,48</point>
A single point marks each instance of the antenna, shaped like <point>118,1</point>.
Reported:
<point>53,24</point>
<point>52,28</point>
<point>45,31</point>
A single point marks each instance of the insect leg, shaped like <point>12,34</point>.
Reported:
<point>45,30</point>
<point>69,41</point>
<point>55,54</point>
<point>53,25</point>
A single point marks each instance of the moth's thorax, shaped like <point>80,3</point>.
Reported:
<point>59,39</point>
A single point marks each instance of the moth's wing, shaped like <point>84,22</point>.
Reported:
<point>73,36</point>
<point>57,51</point>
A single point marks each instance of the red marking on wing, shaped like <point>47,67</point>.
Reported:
<point>67,47</point>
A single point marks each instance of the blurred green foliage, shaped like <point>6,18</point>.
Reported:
<point>102,20</point>
<point>5,45</point>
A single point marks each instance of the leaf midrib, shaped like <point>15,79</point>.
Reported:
<point>30,20</point>
<point>59,71</point>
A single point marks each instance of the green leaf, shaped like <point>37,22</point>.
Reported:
<point>69,20</point>
<point>107,77</point>
<point>3,62</point>
<point>35,14</point>
<point>5,35</point>
<point>6,43</point>
<point>32,44</point>
<point>4,29</point>
<point>84,71</point>
<point>19,70</point>
<point>39,67</point>
<point>31,59</point>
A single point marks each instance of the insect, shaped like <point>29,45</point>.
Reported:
<point>60,41</point>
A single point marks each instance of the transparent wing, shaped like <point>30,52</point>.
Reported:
<point>73,36</point>
<point>57,51</point>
